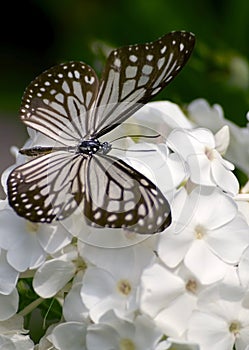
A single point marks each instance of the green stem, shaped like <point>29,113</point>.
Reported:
<point>30,307</point>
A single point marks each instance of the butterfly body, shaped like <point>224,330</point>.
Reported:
<point>93,146</point>
<point>69,105</point>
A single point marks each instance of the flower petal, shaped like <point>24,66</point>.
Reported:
<point>204,264</point>
<point>52,276</point>
<point>224,178</point>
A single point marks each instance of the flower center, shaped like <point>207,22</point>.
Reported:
<point>124,287</point>
<point>191,286</point>
<point>80,264</point>
<point>199,231</point>
<point>209,153</point>
<point>126,344</point>
<point>32,227</point>
<point>235,328</point>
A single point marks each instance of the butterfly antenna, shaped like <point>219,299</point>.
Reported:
<point>134,150</point>
<point>137,135</point>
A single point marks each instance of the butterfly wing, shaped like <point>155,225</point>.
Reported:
<point>134,74</point>
<point>48,187</point>
<point>57,102</point>
<point>118,196</point>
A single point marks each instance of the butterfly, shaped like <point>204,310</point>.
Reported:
<point>68,104</point>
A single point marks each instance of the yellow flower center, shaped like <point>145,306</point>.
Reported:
<point>126,344</point>
<point>191,286</point>
<point>32,227</point>
<point>124,287</point>
<point>200,231</point>
<point>235,328</point>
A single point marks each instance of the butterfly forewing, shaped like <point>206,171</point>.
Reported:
<point>57,102</point>
<point>118,196</point>
<point>48,187</point>
<point>134,74</point>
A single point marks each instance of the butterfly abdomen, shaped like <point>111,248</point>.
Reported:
<point>35,151</point>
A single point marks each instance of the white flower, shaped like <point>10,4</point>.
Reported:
<point>207,233</point>
<point>12,335</point>
<point>28,243</point>
<point>221,321</point>
<point>115,333</point>
<point>69,335</point>
<point>202,114</point>
<point>113,284</point>
<point>212,117</point>
<point>206,165</point>
<point>166,293</point>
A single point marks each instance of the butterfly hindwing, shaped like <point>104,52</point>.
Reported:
<point>118,196</point>
<point>136,73</point>
<point>48,187</point>
<point>57,102</point>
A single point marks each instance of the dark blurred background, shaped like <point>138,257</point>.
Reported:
<point>37,34</point>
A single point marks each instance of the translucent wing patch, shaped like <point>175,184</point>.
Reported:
<point>118,196</point>
<point>57,102</point>
<point>134,74</point>
<point>48,187</point>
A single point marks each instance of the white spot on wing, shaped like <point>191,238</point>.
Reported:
<point>130,72</point>
<point>144,182</point>
<point>156,91</point>
<point>88,97</point>
<point>163,50</point>
<point>133,58</point>
<point>128,217</point>
<point>160,62</point>
<point>89,80</point>
<point>77,89</point>
<point>147,69</point>
<point>142,210</point>
<point>128,86</point>
<point>59,97</point>
<point>117,62</point>
<point>112,217</point>
<point>77,74</point>
<point>143,80</point>
<point>149,57</point>
<point>65,87</point>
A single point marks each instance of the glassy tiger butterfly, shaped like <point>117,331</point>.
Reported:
<point>68,104</point>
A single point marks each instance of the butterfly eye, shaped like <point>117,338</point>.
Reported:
<point>69,105</point>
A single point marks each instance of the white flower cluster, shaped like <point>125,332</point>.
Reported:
<point>185,288</point>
